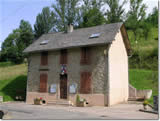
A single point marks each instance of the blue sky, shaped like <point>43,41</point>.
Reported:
<point>12,11</point>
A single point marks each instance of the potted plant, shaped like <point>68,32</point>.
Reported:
<point>38,101</point>
<point>145,103</point>
<point>80,102</point>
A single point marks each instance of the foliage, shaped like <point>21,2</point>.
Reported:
<point>67,12</point>
<point>145,102</point>
<point>116,11</point>
<point>145,51</point>
<point>26,33</point>
<point>77,98</point>
<point>16,42</point>
<point>153,17</point>
<point>93,17</point>
<point>135,16</point>
<point>144,79</point>
<point>45,21</point>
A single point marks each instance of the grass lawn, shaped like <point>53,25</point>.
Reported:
<point>144,79</point>
<point>12,79</point>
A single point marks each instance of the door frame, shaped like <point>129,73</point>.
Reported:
<point>65,76</point>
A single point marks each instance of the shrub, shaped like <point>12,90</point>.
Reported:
<point>145,102</point>
<point>78,98</point>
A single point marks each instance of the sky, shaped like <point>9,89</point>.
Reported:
<point>12,11</point>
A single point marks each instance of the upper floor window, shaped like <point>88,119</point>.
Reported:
<point>63,56</point>
<point>44,58</point>
<point>85,55</point>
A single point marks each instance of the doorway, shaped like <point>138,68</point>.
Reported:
<point>63,86</point>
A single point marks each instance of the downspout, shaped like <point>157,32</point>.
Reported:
<point>108,88</point>
<point>28,61</point>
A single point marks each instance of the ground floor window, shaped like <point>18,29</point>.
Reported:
<point>85,84</point>
<point>43,82</point>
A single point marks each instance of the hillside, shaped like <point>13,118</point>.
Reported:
<point>144,79</point>
<point>12,79</point>
<point>144,51</point>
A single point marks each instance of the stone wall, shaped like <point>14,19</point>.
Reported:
<point>132,92</point>
<point>98,68</point>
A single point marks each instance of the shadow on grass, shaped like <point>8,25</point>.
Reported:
<point>16,87</point>
<point>6,64</point>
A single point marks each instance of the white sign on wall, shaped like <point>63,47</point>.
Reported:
<point>73,88</point>
<point>53,88</point>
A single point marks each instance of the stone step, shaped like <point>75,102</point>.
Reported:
<point>135,99</point>
<point>58,102</point>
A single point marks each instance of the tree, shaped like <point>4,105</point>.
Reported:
<point>67,12</point>
<point>153,17</point>
<point>45,21</point>
<point>16,42</point>
<point>26,33</point>
<point>136,16</point>
<point>93,17</point>
<point>9,48</point>
<point>115,11</point>
<point>91,13</point>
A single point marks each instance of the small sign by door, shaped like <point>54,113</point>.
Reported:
<point>73,88</point>
<point>53,88</point>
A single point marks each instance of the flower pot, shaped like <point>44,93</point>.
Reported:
<point>80,104</point>
<point>37,102</point>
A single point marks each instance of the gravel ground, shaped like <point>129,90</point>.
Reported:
<point>21,110</point>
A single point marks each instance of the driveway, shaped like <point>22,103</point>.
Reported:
<point>120,111</point>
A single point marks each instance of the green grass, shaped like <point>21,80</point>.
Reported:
<point>144,79</point>
<point>12,79</point>
<point>6,64</point>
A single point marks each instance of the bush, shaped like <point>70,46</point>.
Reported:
<point>145,102</point>
<point>144,59</point>
<point>78,98</point>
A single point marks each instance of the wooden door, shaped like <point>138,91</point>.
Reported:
<point>63,86</point>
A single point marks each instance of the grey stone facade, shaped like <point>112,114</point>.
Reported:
<point>98,68</point>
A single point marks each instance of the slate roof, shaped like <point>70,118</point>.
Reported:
<point>77,38</point>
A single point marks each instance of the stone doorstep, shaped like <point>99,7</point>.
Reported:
<point>58,102</point>
<point>135,98</point>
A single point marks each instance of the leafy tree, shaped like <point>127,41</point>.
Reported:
<point>9,48</point>
<point>93,17</point>
<point>26,33</point>
<point>45,21</point>
<point>153,17</point>
<point>116,11</point>
<point>136,16</point>
<point>91,13</point>
<point>67,12</point>
<point>16,42</point>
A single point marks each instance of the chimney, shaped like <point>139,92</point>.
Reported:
<point>69,28</point>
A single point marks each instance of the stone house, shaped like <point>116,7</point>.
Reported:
<point>91,62</point>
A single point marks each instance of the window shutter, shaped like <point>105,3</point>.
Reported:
<point>85,55</point>
<point>63,57</point>
<point>88,82</point>
<point>44,58</point>
<point>43,82</point>
<point>85,86</point>
<point>88,54</point>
